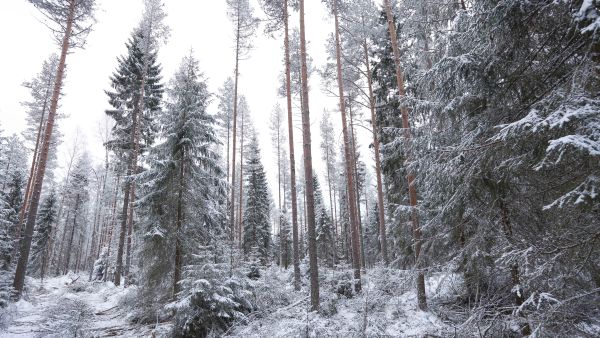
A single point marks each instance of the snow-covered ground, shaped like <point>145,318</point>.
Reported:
<point>386,307</point>
<point>70,306</point>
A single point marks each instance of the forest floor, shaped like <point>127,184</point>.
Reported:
<point>70,306</point>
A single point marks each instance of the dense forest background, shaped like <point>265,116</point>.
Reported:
<point>474,212</point>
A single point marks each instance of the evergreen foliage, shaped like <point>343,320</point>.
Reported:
<point>257,233</point>
<point>47,217</point>
<point>185,170</point>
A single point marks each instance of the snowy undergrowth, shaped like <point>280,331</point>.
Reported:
<point>69,306</point>
<point>386,306</point>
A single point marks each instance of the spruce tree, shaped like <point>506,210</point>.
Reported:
<point>47,216</point>
<point>257,234</point>
<point>183,194</point>
<point>325,248</point>
<point>136,101</point>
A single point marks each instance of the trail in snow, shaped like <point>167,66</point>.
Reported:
<point>69,306</point>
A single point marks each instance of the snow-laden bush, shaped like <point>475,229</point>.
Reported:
<point>212,297</point>
<point>211,307</point>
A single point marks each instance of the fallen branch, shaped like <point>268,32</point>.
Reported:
<point>73,281</point>
<point>104,311</point>
<point>291,305</point>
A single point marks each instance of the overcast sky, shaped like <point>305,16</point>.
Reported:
<point>202,25</point>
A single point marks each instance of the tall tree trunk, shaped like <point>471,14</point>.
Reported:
<point>354,154</point>
<point>337,231</point>
<point>129,233</point>
<point>19,280</point>
<point>288,90</point>
<point>34,159</point>
<point>68,255</point>
<point>381,210</point>
<point>412,190</point>
<point>179,222</point>
<point>233,146</point>
<point>334,221</point>
<point>54,229</point>
<point>113,221</point>
<point>308,172</point>
<point>59,255</point>
<point>279,189</point>
<point>126,197</point>
<point>241,194</point>
<point>352,201</point>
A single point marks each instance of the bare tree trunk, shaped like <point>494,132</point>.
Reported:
<point>41,169</point>
<point>381,209</point>
<point>235,106</point>
<point>179,222</point>
<point>288,89</point>
<point>279,189</point>
<point>68,256</point>
<point>240,207</point>
<point>308,172</point>
<point>337,230</point>
<point>126,196</point>
<point>59,255</point>
<point>327,159</point>
<point>357,191</point>
<point>31,178</point>
<point>79,253</point>
<point>412,190</point>
<point>352,201</point>
<point>113,221</point>
<point>129,233</point>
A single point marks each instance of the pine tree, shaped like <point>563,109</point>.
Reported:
<point>348,155</point>
<point>257,234</point>
<point>241,15</point>
<point>71,19</point>
<point>308,170</point>
<point>278,13</point>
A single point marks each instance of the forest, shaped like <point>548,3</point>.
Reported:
<point>453,191</point>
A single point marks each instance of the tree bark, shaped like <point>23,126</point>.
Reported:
<point>126,196</point>
<point>288,89</point>
<point>68,258</point>
<point>352,202</point>
<point>129,233</point>
<point>241,194</point>
<point>31,178</point>
<point>376,146</point>
<point>354,154</point>
<point>113,221</point>
<point>308,172</point>
<point>412,190</point>
<point>179,222</point>
<point>235,104</point>
<point>25,249</point>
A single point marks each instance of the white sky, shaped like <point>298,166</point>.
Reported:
<point>202,25</point>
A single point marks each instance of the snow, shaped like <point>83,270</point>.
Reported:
<point>67,306</point>
<point>386,307</point>
<point>587,11</point>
